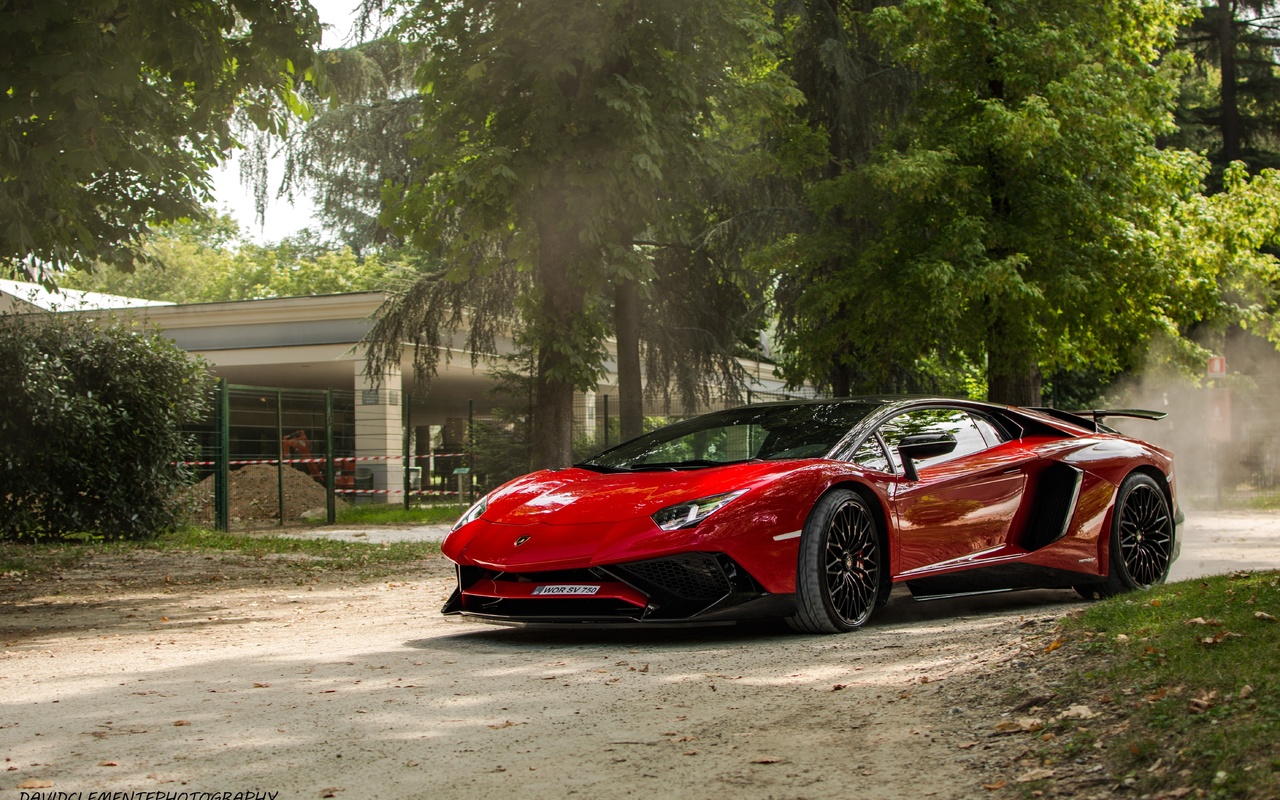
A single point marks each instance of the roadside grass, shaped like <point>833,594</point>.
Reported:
<point>1193,666</point>
<point>397,515</point>
<point>313,556</point>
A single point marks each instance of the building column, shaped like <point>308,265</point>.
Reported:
<point>379,433</point>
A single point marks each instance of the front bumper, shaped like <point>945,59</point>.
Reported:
<point>680,588</point>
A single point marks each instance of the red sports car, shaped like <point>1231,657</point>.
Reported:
<point>813,510</point>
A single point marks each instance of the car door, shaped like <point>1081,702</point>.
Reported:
<point>962,505</point>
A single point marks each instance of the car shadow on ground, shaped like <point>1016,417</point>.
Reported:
<point>901,611</point>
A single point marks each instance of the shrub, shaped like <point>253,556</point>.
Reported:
<point>92,418</point>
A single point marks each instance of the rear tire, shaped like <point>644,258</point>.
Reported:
<point>1141,539</point>
<point>841,566</point>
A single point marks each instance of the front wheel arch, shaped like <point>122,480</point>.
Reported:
<point>1141,536</point>
<point>841,563</point>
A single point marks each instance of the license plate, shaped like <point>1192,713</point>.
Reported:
<point>566,588</point>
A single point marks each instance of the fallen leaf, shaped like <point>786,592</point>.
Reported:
<point>690,752</point>
<point>1000,784</point>
<point>108,764</point>
<point>1122,638</point>
<point>261,685</point>
<point>1078,712</point>
<point>182,723</point>
<point>766,760</point>
<point>331,791</point>
<point>837,687</point>
<point>1035,775</point>
<point>967,745</point>
<point>1245,691</point>
<point>507,724</point>
<point>1054,645</point>
<point>1264,616</point>
<point>35,783</point>
<point>1021,725</point>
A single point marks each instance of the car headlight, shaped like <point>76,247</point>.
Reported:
<point>686,515</point>
<point>473,513</point>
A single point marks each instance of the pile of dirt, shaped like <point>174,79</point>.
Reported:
<point>255,493</point>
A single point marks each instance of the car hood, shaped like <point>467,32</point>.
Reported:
<point>572,518</point>
<point>577,496</point>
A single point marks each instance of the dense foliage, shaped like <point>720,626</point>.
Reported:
<point>550,140</point>
<point>112,113</point>
<point>207,261</point>
<point>93,420</point>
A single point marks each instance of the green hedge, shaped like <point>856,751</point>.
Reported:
<point>92,419</point>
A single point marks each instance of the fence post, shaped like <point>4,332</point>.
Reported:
<point>330,507</point>
<point>606,420</point>
<point>471,453</point>
<point>406,440</point>
<point>280,457</point>
<point>222,467</point>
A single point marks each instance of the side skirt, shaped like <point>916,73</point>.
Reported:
<point>1001,577</point>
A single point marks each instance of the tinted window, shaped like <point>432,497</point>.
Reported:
<point>872,456</point>
<point>990,431</point>
<point>808,430</point>
<point>958,423</point>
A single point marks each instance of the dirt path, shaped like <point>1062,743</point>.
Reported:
<point>162,681</point>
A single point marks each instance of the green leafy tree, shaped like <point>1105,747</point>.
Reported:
<point>112,112</point>
<point>1230,104</point>
<point>550,138</point>
<point>854,94</point>
<point>1017,213</point>
<point>206,260</point>
<point>93,427</point>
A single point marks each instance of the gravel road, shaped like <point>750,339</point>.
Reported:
<point>148,675</point>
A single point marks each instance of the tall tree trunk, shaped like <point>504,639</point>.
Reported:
<point>841,379</point>
<point>552,416</point>
<point>1231,132</point>
<point>1013,377</point>
<point>626,314</point>
<point>563,302</point>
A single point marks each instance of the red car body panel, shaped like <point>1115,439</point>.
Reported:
<point>977,513</point>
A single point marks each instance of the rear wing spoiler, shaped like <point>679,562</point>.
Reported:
<point>1092,419</point>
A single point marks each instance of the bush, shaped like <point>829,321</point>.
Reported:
<point>92,418</point>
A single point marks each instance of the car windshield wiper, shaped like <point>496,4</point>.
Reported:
<point>693,463</point>
<point>589,465</point>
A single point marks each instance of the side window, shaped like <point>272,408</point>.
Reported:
<point>990,432</point>
<point>872,456</point>
<point>960,424</point>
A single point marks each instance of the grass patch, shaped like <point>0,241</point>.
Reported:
<point>338,555</point>
<point>398,515</point>
<point>1193,665</point>
<point>33,560</point>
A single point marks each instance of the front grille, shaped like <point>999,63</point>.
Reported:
<point>688,576</point>
<point>553,609</point>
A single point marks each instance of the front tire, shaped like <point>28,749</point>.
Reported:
<point>840,569</point>
<point>1141,539</point>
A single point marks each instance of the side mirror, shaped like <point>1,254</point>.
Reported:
<point>923,445</point>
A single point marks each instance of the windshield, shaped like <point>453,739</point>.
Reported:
<point>807,430</point>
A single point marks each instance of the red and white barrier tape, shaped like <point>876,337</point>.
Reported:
<point>414,492</point>
<point>313,460</point>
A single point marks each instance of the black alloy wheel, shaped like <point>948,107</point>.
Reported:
<point>841,566</point>
<point>1141,539</point>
